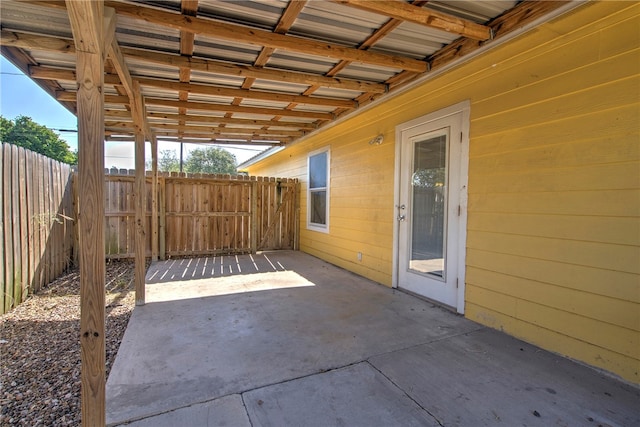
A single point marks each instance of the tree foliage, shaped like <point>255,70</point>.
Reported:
<point>26,133</point>
<point>210,160</point>
<point>168,161</point>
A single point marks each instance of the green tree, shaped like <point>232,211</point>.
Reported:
<point>26,133</point>
<point>168,161</point>
<point>210,160</point>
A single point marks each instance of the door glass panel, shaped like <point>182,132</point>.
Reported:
<point>429,207</point>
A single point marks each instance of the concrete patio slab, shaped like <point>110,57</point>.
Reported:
<point>282,327</point>
<point>488,378</point>
<point>226,411</point>
<point>357,395</point>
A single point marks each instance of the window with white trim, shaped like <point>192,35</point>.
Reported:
<point>318,190</point>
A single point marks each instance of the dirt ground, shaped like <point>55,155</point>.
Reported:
<point>40,348</point>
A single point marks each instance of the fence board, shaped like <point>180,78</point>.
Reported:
<point>206,214</point>
<point>23,288</point>
<point>36,244</point>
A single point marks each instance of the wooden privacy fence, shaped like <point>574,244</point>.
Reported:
<point>36,222</point>
<point>203,214</point>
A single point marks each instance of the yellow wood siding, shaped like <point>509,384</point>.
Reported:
<point>553,233</point>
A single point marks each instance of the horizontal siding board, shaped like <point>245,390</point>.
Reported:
<point>618,150</point>
<point>608,283</point>
<point>552,79</point>
<point>615,311</point>
<point>616,176</point>
<point>599,255</point>
<point>606,96</point>
<point>595,203</point>
<point>602,229</point>
<point>604,125</point>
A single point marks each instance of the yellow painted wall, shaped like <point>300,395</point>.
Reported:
<point>553,245</point>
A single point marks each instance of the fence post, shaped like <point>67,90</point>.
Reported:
<point>154,199</point>
<point>254,215</point>
<point>163,219</point>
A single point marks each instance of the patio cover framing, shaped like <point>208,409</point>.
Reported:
<point>114,99</point>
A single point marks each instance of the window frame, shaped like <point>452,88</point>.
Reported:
<point>322,228</point>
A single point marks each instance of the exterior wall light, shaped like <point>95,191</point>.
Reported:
<point>377,140</point>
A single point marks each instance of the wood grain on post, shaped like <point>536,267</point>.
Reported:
<point>86,19</point>
<point>140,196</point>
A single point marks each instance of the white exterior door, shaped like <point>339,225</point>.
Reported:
<point>431,206</point>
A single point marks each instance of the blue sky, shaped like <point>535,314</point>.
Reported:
<point>20,96</point>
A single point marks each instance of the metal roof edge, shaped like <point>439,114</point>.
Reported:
<point>261,156</point>
<point>428,76</point>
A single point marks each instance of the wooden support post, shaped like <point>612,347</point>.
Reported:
<point>86,18</point>
<point>154,199</point>
<point>140,203</point>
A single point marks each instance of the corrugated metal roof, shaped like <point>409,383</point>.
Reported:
<point>268,63</point>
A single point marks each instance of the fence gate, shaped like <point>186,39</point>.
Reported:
<point>204,214</point>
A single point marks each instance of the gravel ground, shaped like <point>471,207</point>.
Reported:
<point>40,348</point>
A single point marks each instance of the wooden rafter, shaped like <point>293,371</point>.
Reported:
<point>61,45</point>
<point>203,129</point>
<point>245,93</point>
<point>48,73</point>
<point>177,91</point>
<point>187,38</point>
<point>374,38</point>
<point>287,19</point>
<point>136,99</point>
<point>154,116</point>
<point>254,36</point>
<point>411,13</point>
<point>205,106</point>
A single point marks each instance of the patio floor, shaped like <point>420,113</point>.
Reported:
<point>285,339</point>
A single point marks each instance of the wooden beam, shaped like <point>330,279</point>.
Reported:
<point>187,129</point>
<point>140,218</point>
<point>404,11</point>
<point>61,45</point>
<point>223,139</point>
<point>39,72</point>
<point>37,42</point>
<point>188,8</point>
<point>287,19</point>
<point>225,68</point>
<point>245,93</point>
<point>207,106</point>
<point>110,21</point>
<point>187,39</point>
<point>255,36</point>
<point>210,119</point>
<point>136,100</point>
<point>86,19</point>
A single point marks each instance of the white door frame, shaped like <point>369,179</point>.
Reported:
<point>464,108</point>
